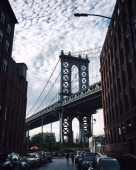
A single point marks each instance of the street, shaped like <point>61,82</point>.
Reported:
<point>57,164</point>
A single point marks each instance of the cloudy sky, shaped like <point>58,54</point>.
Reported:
<point>45,27</point>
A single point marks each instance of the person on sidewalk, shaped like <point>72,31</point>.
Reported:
<point>72,158</point>
<point>67,158</point>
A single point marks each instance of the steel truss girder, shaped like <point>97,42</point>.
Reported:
<point>65,127</point>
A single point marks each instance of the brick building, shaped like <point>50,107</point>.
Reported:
<point>13,86</point>
<point>118,74</point>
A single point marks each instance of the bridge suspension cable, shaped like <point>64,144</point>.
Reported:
<point>43,88</point>
<point>47,93</point>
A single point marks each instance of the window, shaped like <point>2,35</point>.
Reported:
<point>3,136</point>
<point>7,46</point>
<point>5,63</point>
<point>117,64</point>
<point>0,108</point>
<point>3,85</point>
<point>6,113</point>
<point>124,19</point>
<point>1,36</point>
<point>132,96</point>
<point>126,102</point>
<point>127,45</point>
<point>111,32</point>
<point>130,71</point>
<point>124,81</point>
<point>115,45</point>
<point>119,85</point>
<point>119,134</point>
<point>115,138</point>
<point>9,29</point>
<point>3,17</point>
<point>114,23</point>
<point>131,9</point>
<point>118,11</point>
<point>119,34</point>
<point>121,55</point>
<point>121,107</point>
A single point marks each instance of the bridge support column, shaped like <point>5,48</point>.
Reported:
<point>70,131</point>
<point>81,129</point>
<point>61,127</point>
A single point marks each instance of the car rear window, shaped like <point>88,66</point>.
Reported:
<point>109,164</point>
<point>89,157</point>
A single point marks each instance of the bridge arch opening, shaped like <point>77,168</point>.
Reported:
<point>75,130</point>
<point>74,79</point>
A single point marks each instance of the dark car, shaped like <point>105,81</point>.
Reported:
<point>48,156</point>
<point>80,159</point>
<point>25,163</point>
<point>34,159</point>
<point>10,161</point>
<point>104,162</point>
<point>126,161</point>
<point>87,160</point>
<point>42,157</point>
<point>77,156</point>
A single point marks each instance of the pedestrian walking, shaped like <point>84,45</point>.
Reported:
<point>67,158</point>
<point>72,158</point>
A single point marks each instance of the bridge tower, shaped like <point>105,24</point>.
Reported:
<point>67,61</point>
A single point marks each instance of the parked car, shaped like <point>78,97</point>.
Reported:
<point>10,161</point>
<point>25,163</point>
<point>80,159</point>
<point>43,158</point>
<point>77,156</point>
<point>34,159</point>
<point>126,161</point>
<point>104,162</point>
<point>88,159</point>
<point>48,156</point>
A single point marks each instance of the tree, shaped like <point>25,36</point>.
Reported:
<point>36,140</point>
<point>50,142</point>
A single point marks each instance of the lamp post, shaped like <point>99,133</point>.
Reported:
<point>132,23</point>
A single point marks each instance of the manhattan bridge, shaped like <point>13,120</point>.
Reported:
<point>73,90</point>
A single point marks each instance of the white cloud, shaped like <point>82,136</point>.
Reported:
<point>47,27</point>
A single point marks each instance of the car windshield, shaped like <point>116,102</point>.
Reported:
<point>89,157</point>
<point>81,155</point>
<point>31,156</point>
<point>78,153</point>
<point>23,159</point>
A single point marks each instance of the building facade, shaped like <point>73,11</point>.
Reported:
<point>13,86</point>
<point>118,74</point>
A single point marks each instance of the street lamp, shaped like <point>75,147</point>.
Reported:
<point>132,23</point>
